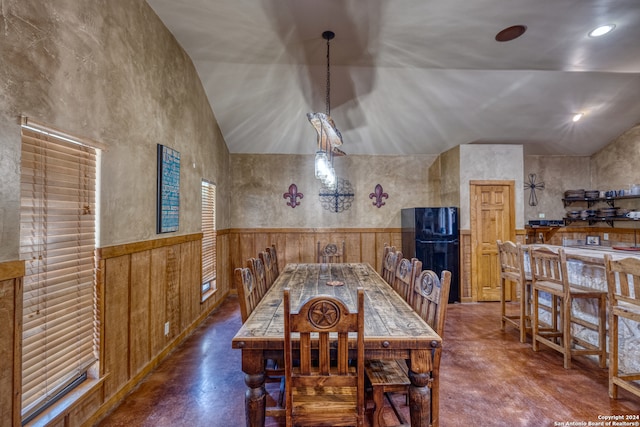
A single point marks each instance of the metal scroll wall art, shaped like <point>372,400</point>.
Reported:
<point>293,196</point>
<point>337,198</point>
<point>378,194</point>
<point>533,186</point>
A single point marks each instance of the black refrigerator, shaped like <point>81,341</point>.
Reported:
<point>431,235</point>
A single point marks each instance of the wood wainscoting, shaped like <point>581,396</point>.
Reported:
<point>466,295</point>
<point>11,274</point>
<point>299,244</point>
<point>141,287</point>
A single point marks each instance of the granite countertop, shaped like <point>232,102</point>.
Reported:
<point>615,249</point>
<point>591,251</point>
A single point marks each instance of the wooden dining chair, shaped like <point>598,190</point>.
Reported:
<point>257,267</point>
<point>429,300</point>
<point>549,276</point>
<point>250,293</point>
<point>324,388</point>
<point>330,253</point>
<point>274,259</point>
<point>512,269</point>
<point>390,264</point>
<point>386,248</point>
<point>267,262</point>
<point>406,273</point>
<point>623,279</point>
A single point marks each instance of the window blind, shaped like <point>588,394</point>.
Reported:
<point>208,232</point>
<point>57,242</point>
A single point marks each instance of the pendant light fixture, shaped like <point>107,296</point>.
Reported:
<point>329,137</point>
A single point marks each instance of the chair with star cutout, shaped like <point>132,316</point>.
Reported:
<point>326,386</point>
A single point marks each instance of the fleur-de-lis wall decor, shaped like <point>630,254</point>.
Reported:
<point>378,194</point>
<point>293,196</point>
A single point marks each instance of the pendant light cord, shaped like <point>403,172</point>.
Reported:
<point>328,98</point>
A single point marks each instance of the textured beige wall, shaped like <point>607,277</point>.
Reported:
<point>616,166</point>
<point>490,162</point>
<point>435,182</point>
<point>559,173</point>
<point>109,71</point>
<point>259,182</point>
<point>612,168</point>
<point>450,188</point>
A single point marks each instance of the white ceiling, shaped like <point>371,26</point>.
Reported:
<point>414,76</point>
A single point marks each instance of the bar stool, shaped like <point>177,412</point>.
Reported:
<point>549,275</point>
<point>512,270</point>
<point>623,279</point>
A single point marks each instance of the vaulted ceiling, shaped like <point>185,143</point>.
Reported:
<point>414,76</point>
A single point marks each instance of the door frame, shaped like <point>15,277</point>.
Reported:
<point>473,224</point>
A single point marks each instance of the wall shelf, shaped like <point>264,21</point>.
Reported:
<point>590,202</point>
<point>611,201</point>
<point>592,220</point>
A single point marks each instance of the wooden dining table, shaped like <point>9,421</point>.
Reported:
<point>392,330</point>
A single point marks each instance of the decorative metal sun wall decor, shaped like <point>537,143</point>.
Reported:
<point>533,186</point>
<point>337,198</point>
<point>378,194</point>
<point>293,195</point>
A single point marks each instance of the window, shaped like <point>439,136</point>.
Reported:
<point>209,286</point>
<point>57,242</point>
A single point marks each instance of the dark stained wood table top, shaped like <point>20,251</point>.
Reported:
<point>391,325</point>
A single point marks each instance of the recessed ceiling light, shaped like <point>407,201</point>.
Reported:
<point>601,30</point>
<point>577,117</point>
<point>511,33</point>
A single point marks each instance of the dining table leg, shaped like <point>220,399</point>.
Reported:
<point>420,389</point>
<point>255,397</point>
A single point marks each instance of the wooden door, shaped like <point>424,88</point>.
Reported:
<point>492,218</point>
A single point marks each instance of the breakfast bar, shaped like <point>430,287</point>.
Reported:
<point>585,267</point>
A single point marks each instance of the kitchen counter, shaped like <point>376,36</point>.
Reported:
<point>594,253</point>
<point>629,250</point>
<point>585,267</point>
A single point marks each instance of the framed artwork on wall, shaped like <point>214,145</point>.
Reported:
<point>593,240</point>
<point>168,210</point>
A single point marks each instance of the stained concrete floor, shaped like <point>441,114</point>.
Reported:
<point>488,377</point>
